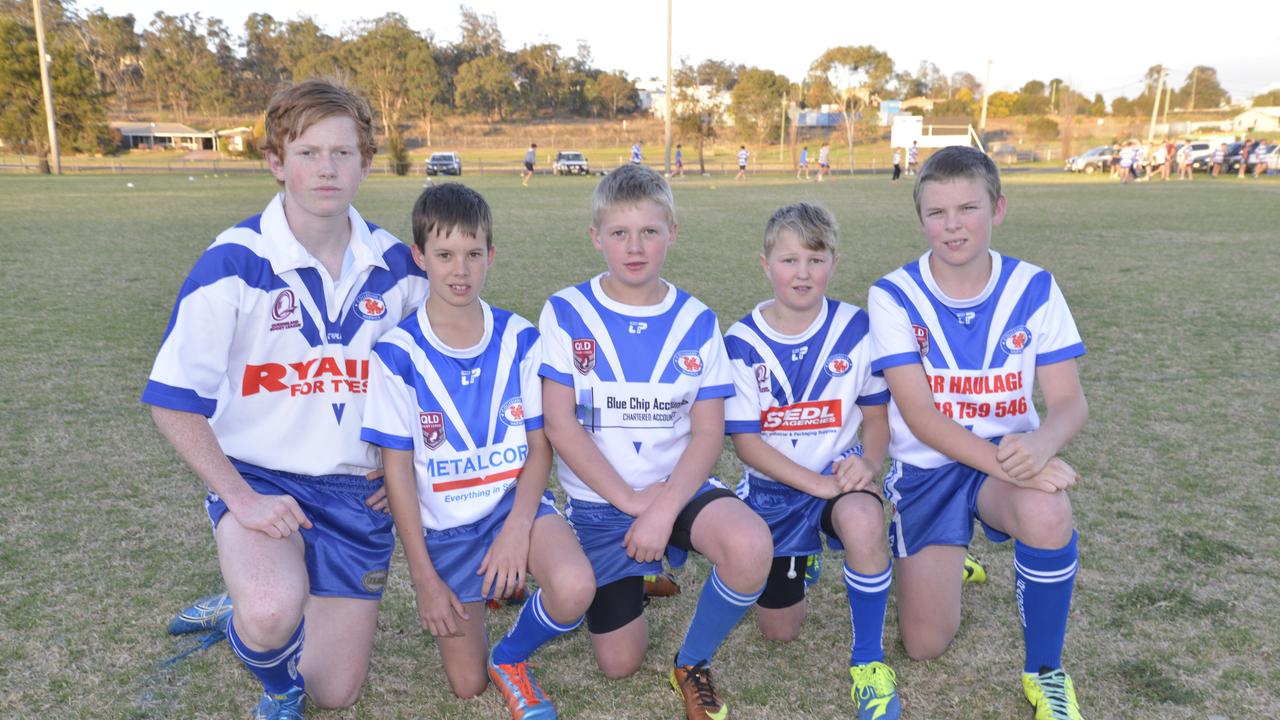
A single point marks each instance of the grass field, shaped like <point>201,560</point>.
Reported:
<point>1173,286</point>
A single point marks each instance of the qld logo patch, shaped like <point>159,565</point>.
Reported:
<point>1016,340</point>
<point>839,365</point>
<point>432,429</point>
<point>513,412</point>
<point>371,306</point>
<point>688,362</point>
<point>282,311</point>
<point>922,338</point>
<point>762,378</point>
<point>584,355</point>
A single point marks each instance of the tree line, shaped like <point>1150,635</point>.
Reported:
<point>191,65</point>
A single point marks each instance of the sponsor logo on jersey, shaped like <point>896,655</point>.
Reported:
<point>471,376</point>
<point>798,353</point>
<point>965,317</point>
<point>1016,340</point>
<point>513,412</point>
<point>316,376</point>
<point>432,429</point>
<point>371,306</point>
<point>839,365</point>
<point>584,355</point>
<point>762,377</point>
<point>815,415</point>
<point>374,580</point>
<point>922,338</point>
<point>637,326</point>
<point>688,362</point>
<point>285,305</point>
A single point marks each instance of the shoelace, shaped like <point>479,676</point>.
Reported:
<point>1054,687</point>
<point>519,676</point>
<point>877,680</point>
<point>700,677</point>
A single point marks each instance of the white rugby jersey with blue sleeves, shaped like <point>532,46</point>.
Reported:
<point>264,343</point>
<point>636,372</point>
<point>802,393</point>
<point>980,354</point>
<point>463,412</point>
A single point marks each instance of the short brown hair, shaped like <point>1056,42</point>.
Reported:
<point>813,224</point>
<point>959,161</point>
<point>295,108</point>
<point>451,206</point>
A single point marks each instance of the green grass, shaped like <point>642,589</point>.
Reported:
<point>1172,285</point>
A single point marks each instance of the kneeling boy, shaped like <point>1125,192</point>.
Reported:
<point>455,403</point>
<point>635,378</point>
<point>802,367</point>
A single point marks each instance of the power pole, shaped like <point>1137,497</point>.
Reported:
<point>670,95</point>
<point>1155,107</point>
<point>782,134</point>
<point>50,118</point>
<point>1195,72</point>
<point>1168,95</point>
<point>986,92</point>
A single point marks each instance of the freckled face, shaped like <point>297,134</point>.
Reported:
<point>321,169</point>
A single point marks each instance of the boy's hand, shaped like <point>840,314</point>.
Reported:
<point>646,539</point>
<point>439,609</point>
<point>506,562</point>
<point>279,516</point>
<point>639,501</point>
<point>1058,475</point>
<point>378,500</point>
<point>855,473</point>
<point>1022,455</point>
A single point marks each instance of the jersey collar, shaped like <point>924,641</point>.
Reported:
<point>927,274</point>
<point>284,252</point>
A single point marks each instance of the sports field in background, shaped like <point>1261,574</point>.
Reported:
<point>1173,286</point>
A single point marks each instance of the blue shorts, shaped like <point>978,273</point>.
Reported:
<point>601,528</point>
<point>795,518</point>
<point>348,547</point>
<point>934,506</point>
<point>456,552</point>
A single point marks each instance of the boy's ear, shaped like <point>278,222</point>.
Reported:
<point>764,265</point>
<point>595,236</point>
<point>493,253</point>
<point>419,259</point>
<point>276,165</point>
<point>997,214</point>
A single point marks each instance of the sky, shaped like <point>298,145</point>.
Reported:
<point>1099,47</point>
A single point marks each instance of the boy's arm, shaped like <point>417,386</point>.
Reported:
<point>190,435</point>
<point>646,539</point>
<point>506,562</point>
<point>576,448</point>
<point>860,472</point>
<point>762,456</point>
<point>438,606</point>
<point>1023,455</point>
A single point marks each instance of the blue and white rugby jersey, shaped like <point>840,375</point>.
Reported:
<point>980,354</point>
<point>802,393</point>
<point>636,372</point>
<point>265,344</point>
<point>463,412</point>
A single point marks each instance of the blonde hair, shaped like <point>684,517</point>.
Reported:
<point>813,224</point>
<point>631,185</point>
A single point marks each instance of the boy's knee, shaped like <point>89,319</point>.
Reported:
<point>924,648</point>
<point>468,688</point>
<point>1045,519</point>
<point>572,591</point>
<point>267,624</point>
<point>775,632</point>
<point>860,523</point>
<point>618,668</point>
<point>331,697</point>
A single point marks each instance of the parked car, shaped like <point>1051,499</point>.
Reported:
<point>1091,161</point>
<point>570,162</point>
<point>1201,155</point>
<point>444,163</point>
<point>1272,158</point>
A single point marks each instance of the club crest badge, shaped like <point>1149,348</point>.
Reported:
<point>688,362</point>
<point>513,412</point>
<point>432,429</point>
<point>371,306</point>
<point>922,338</point>
<point>762,378</point>
<point>1016,340</point>
<point>839,365</point>
<point>584,355</point>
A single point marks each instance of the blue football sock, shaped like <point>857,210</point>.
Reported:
<point>868,597</point>
<point>277,669</point>
<point>719,609</point>
<point>1043,583</point>
<point>533,628</point>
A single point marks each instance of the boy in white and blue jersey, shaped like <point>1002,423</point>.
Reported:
<point>962,335</point>
<point>259,384</point>
<point>635,378</point>
<point>802,369</point>
<point>455,403</point>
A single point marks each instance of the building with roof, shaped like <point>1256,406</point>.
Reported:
<point>1258,119</point>
<point>176,136</point>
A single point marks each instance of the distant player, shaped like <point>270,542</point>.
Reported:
<point>803,166</point>
<point>802,370</point>
<point>636,157</point>
<point>679,172</point>
<point>897,165</point>
<point>455,404</point>
<point>259,386</point>
<point>742,162</point>
<point>913,158</point>
<point>824,161</point>
<point>962,335</point>
<point>635,378</point>
<point>530,157</point>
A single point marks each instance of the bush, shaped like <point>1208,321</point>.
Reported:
<point>398,154</point>
<point>1042,128</point>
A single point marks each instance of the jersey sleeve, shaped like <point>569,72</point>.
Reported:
<point>893,342</point>
<point>742,411</point>
<point>1059,338</point>
<point>717,378</point>
<point>557,348</point>
<point>389,408</point>
<point>875,391</point>
<point>531,384</point>
<point>190,370</point>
